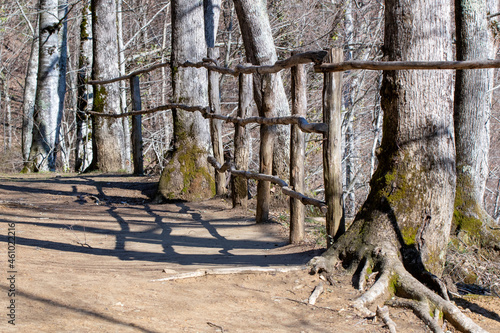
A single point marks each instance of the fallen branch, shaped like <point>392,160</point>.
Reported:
<point>273,179</point>
<point>232,270</point>
<point>316,293</point>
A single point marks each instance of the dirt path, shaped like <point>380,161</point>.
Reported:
<point>88,249</point>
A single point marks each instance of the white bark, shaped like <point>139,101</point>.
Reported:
<point>46,115</point>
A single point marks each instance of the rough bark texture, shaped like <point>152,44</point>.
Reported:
<point>260,50</point>
<point>215,124</point>
<point>332,150</point>
<point>135,92</point>
<point>402,229</point>
<point>29,98</point>
<point>83,146</point>
<point>241,142</point>
<point>297,153</point>
<point>46,115</point>
<point>472,113</point>
<point>188,175</point>
<point>408,212</point>
<point>107,134</point>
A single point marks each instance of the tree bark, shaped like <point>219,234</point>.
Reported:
<point>46,115</point>
<point>83,150</point>
<point>241,142</point>
<point>408,212</point>
<point>297,154</point>
<point>107,133</point>
<point>29,98</point>
<point>332,150</point>
<point>260,50</point>
<point>472,113</point>
<point>127,144</point>
<point>188,175</point>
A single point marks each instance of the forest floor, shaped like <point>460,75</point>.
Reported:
<point>90,250</point>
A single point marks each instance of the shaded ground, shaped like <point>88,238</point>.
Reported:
<point>89,247</point>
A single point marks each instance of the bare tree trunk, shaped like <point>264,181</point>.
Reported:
<point>212,14</point>
<point>472,112</point>
<point>409,209</point>
<point>83,151</point>
<point>188,175</point>
<point>29,98</point>
<point>241,142</point>
<point>406,219</point>
<point>107,133</point>
<point>123,90</point>
<point>63,69</point>
<point>297,154</point>
<point>46,115</point>
<point>260,50</point>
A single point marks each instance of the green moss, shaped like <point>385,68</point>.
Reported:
<point>466,214</point>
<point>393,284</point>
<point>100,95</point>
<point>409,234</point>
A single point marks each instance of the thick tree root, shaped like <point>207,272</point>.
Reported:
<point>394,278</point>
<point>383,313</point>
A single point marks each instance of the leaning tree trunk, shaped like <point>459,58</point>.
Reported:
<point>403,227</point>
<point>29,99</point>
<point>187,174</point>
<point>46,114</point>
<point>472,115</point>
<point>107,133</point>
<point>260,50</point>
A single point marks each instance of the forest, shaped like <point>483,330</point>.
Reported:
<point>379,119</point>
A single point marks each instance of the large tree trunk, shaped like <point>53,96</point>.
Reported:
<point>403,227</point>
<point>83,150</point>
<point>472,113</point>
<point>260,50</point>
<point>46,115</point>
<point>29,99</point>
<point>188,175</point>
<point>107,133</point>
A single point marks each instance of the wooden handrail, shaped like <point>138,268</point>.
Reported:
<point>273,179</point>
<point>205,111</point>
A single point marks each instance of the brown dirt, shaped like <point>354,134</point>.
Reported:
<point>83,267</point>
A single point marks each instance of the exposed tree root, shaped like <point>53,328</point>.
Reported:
<point>383,313</point>
<point>393,278</point>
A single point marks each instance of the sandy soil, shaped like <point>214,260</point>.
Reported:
<point>90,251</point>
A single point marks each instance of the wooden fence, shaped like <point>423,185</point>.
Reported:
<point>331,64</point>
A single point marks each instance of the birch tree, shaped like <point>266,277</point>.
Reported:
<point>47,109</point>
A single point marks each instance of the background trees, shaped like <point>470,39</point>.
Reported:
<point>305,25</point>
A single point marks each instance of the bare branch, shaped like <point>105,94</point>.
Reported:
<point>273,179</point>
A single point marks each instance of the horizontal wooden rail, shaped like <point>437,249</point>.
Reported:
<point>273,179</point>
<point>206,113</point>
<point>405,65</point>
<point>316,57</point>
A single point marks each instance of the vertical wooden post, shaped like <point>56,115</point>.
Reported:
<point>267,134</point>
<point>241,153</point>
<point>297,153</point>
<point>135,91</point>
<point>332,154</point>
<point>215,125</point>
